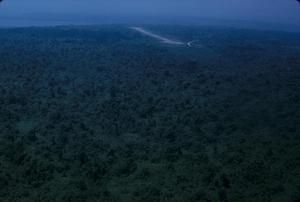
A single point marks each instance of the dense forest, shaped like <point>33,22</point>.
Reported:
<point>103,113</point>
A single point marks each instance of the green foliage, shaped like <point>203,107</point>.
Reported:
<point>105,114</point>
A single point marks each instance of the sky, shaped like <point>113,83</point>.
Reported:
<point>267,11</point>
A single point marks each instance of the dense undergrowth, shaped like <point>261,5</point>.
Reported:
<point>105,114</point>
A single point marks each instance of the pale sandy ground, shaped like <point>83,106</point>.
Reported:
<point>167,40</point>
<point>158,37</point>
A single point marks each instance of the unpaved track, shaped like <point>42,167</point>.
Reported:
<point>160,38</point>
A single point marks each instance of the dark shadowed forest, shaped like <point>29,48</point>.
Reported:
<point>103,113</point>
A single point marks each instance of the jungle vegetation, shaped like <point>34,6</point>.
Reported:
<point>102,113</point>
